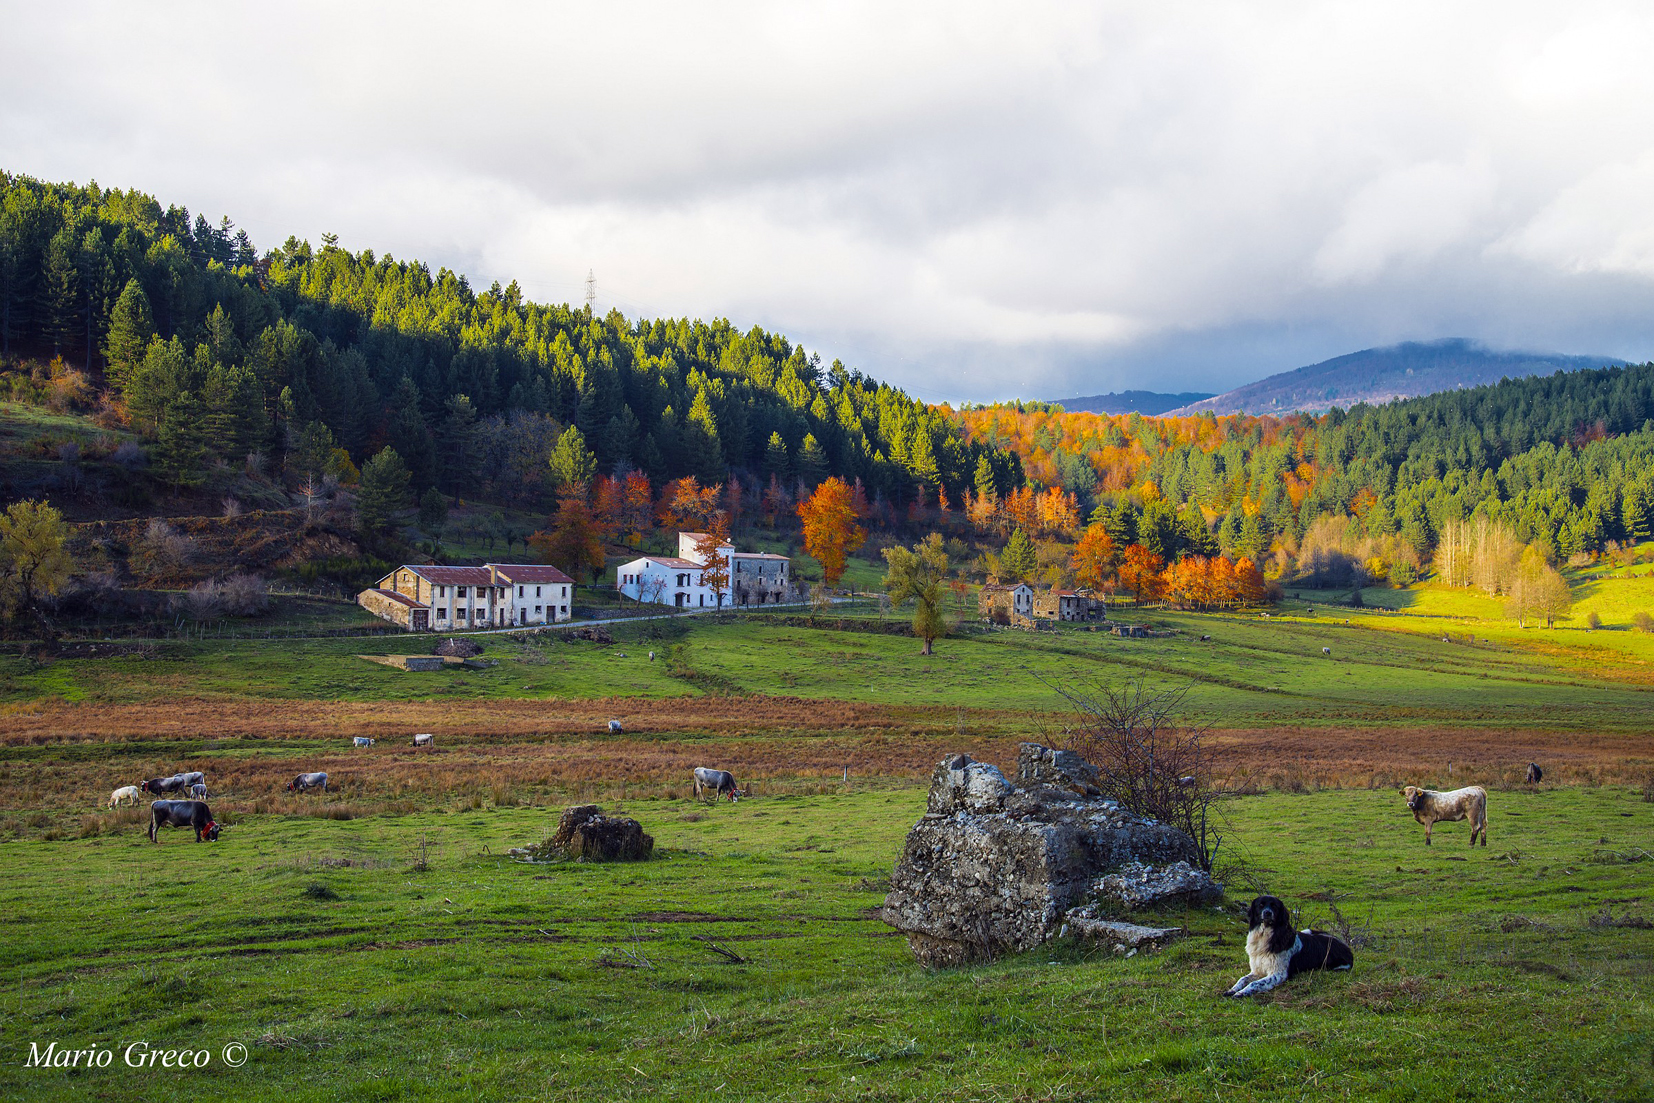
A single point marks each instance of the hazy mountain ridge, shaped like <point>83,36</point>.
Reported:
<point>1380,375</point>
<point>1147,403</point>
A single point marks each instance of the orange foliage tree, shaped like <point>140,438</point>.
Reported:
<point>1140,572</point>
<point>638,506</point>
<point>831,531</point>
<point>1059,513</point>
<point>1093,558</point>
<point>574,544</point>
<point>685,504</point>
<point>1249,582</point>
<point>715,575</point>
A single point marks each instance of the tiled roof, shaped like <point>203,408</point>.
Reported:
<point>451,576</point>
<point>760,555</point>
<point>515,573</point>
<point>400,599</point>
<point>675,562</point>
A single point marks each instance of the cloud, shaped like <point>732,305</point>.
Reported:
<point>1074,198</point>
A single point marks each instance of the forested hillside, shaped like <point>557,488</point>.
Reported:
<point>311,360</point>
<point>1564,461</point>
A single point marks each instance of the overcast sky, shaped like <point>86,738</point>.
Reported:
<point>975,202</point>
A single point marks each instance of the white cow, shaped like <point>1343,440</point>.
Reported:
<point>363,741</point>
<point>119,796</point>
<point>614,727</point>
<point>424,740</point>
<point>198,791</point>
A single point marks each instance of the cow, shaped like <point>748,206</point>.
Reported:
<point>306,782</point>
<point>174,784</point>
<point>194,777</point>
<point>183,813</point>
<point>363,741</point>
<point>614,727</point>
<point>198,791</point>
<point>121,795</point>
<point>1326,651</point>
<point>1430,807</point>
<point>721,782</point>
<point>1535,774</point>
<point>424,740</point>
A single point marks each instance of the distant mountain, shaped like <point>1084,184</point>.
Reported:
<point>1146,403</point>
<point>1381,375</point>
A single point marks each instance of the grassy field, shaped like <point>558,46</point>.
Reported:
<point>1522,970</point>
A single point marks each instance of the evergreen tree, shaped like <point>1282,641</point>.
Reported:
<point>986,486</point>
<point>312,452</point>
<point>60,290</point>
<point>409,435</point>
<point>1019,559</point>
<point>812,462</point>
<point>383,492</point>
<point>180,451</point>
<point>457,439</point>
<point>433,512</point>
<point>1635,513</point>
<point>775,457</point>
<point>131,327</point>
<point>573,466</point>
<point>703,454</point>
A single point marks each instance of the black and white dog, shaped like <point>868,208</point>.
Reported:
<point>1276,952</point>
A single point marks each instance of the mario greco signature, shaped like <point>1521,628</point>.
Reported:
<point>136,1055</point>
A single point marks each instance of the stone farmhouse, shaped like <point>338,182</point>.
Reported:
<point>755,578</point>
<point>433,598</point>
<point>1004,604</point>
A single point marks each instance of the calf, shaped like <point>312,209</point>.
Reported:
<point>305,782</point>
<point>1430,807</point>
<point>363,741</point>
<point>198,791</point>
<point>174,784</point>
<point>721,782</point>
<point>614,727</point>
<point>424,740</point>
<point>120,796</point>
<point>183,813</point>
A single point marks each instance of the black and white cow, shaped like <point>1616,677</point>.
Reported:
<point>183,813</point>
<point>305,782</point>
<point>173,784</point>
<point>720,782</point>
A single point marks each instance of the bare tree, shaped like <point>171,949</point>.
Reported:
<point>1149,756</point>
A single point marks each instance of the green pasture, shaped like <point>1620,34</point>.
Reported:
<point>1520,970</point>
<point>1252,670</point>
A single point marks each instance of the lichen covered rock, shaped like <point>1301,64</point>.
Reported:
<point>992,867</point>
<point>586,834</point>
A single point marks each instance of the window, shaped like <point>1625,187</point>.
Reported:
<point>537,610</point>
<point>442,591</point>
<point>564,610</point>
<point>519,591</point>
<point>459,591</point>
<point>536,591</point>
<point>442,614</point>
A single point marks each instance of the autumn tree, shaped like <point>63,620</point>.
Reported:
<point>574,544</point>
<point>35,563</point>
<point>1140,572</point>
<point>638,501</point>
<point>920,575</point>
<point>831,531</point>
<point>1093,558</point>
<point>1538,591</point>
<point>709,549</point>
<point>687,505</point>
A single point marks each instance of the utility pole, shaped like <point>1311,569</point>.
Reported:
<point>591,291</point>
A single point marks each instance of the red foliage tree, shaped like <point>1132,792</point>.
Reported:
<point>831,531</point>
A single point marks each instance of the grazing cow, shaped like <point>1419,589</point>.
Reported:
<point>306,782</point>
<point>120,796</point>
<point>363,741</point>
<point>1430,807</point>
<point>1535,774</point>
<point>174,784</point>
<point>651,656</point>
<point>614,727</point>
<point>194,777</point>
<point>183,813</point>
<point>1275,952</point>
<point>424,740</point>
<point>721,782</point>
<point>1326,651</point>
<point>198,791</point>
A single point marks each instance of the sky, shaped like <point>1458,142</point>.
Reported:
<point>971,201</point>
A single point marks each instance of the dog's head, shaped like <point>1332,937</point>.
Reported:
<point>1268,911</point>
<point>1414,796</point>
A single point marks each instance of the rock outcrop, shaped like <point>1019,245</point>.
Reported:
<point>993,867</point>
<point>586,834</point>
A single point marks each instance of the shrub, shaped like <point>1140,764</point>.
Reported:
<point>1149,757</point>
<point>1643,622</point>
<point>1592,621</point>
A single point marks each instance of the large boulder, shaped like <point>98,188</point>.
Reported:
<point>993,867</point>
<point>456,648</point>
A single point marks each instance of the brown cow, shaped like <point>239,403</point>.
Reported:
<point>1429,807</point>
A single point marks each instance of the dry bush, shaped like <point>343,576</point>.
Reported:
<point>161,551</point>
<point>1642,622</point>
<point>1149,757</point>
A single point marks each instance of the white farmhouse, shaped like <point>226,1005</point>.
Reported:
<point>755,578</point>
